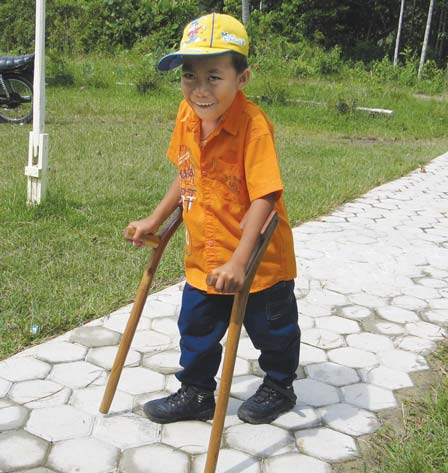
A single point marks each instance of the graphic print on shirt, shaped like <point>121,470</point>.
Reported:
<point>187,178</point>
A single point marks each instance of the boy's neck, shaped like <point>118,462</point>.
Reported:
<point>207,128</point>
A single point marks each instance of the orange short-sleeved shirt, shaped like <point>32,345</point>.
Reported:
<point>219,180</point>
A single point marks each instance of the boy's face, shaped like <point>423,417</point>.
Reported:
<point>210,83</point>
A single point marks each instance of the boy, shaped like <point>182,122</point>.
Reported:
<point>228,183</point>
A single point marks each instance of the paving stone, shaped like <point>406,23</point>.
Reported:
<point>12,417</point>
<point>349,419</point>
<point>39,470</point>
<point>295,462</point>
<point>431,282</point>
<point>398,315</point>
<point>155,308</point>
<point>4,387</point>
<point>19,449</point>
<point>89,400</point>
<point>370,342</point>
<point>38,393</point>
<point>337,324</point>
<point>166,362</point>
<point>421,292</point>
<point>78,374</point>
<point>167,326</point>
<point>332,373</point>
<point>229,460</point>
<point>437,316</point>
<point>262,440</point>
<point>326,444</point>
<point>60,352</point>
<point>389,328</point>
<point>309,354</point>
<point>117,322</point>
<point>426,330</point>
<point>306,322</point>
<point>409,302</point>
<point>315,393</point>
<point>352,357</point>
<point>105,357</point>
<point>313,309</point>
<point>179,435</point>
<point>246,350</point>
<point>367,300</point>
<point>147,341</point>
<point>94,337</point>
<point>140,380</point>
<point>59,423</point>
<point>325,297</point>
<point>321,338</point>
<point>18,369</point>
<point>368,396</point>
<point>242,367</point>
<point>439,303</point>
<point>301,416</point>
<point>232,413</point>
<point>243,387</point>
<point>154,458</point>
<point>402,360</point>
<point>86,455</point>
<point>172,384</point>
<point>386,378</point>
<point>415,344</point>
<point>356,312</point>
<point>126,431</point>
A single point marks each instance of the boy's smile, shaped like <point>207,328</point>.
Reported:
<point>210,84</point>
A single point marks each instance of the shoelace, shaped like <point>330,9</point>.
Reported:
<point>264,393</point>
<point>269,390</point>
<point>178,396</point>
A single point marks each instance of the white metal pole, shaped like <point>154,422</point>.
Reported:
<point>425,39</point>
<point>397,41</point>
<point>38,144</point>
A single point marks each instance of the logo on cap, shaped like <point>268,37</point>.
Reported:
<point>231,38</point>
<point>194,31</point>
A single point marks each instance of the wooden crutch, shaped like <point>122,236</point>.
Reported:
<point>158,244</point>
<point>233,336</point>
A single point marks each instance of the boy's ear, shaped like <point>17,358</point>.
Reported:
<point>243,79</point>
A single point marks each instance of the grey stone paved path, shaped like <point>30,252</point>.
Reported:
<point>373,298</point>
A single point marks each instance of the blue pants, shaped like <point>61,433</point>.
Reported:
<point>271,322</point>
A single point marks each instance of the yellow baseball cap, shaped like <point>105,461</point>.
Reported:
<point>206,36</point>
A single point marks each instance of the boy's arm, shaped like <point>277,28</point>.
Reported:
<point>230,276</point>
<point>151,223</point>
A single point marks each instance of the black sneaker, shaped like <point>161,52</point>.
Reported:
<point>270,400</point>
<point>189,403</point>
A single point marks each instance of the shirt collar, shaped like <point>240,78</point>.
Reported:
<point>231,119</point>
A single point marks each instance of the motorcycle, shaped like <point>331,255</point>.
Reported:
<point>16,88</point>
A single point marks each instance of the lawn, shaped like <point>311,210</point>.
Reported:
<point>65,262</point>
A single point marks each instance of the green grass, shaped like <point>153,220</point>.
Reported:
<point>65,262</point>
<point>422,447</point>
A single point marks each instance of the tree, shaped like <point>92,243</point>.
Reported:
<point>426,38</point>
<point>397,42</point>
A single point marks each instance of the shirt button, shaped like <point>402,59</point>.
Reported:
<point>204,173</point>
<point>210,243</point>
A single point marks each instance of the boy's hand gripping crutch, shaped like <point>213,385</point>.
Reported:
<point>236,322</point>
<point>158,243</point>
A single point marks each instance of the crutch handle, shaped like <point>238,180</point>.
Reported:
<point>151,240</point>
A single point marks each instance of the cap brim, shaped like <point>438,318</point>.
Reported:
<point>173,60</point>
